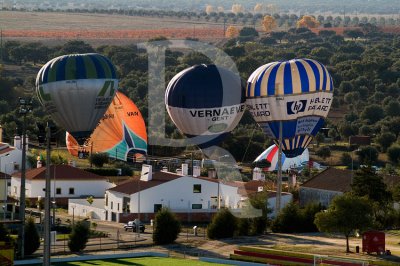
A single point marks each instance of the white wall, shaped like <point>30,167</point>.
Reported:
<point>114,199</point>
<point>82,208</point>
<point>177,195</point>
<point>7,162</point>
<point>34,188</point>
<point>285,199</point>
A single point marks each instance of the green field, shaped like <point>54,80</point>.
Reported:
<point>153,261</point>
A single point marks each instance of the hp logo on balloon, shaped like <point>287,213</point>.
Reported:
<point>296,107</point>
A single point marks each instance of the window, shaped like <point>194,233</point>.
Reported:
<point>71,191</point>
<point>197,188</point>
<point>117,206</point>
<point>15,189</point>
<point>106,199</point>
<point>111,205</point>
<point>197,206</point>
<point>58,191</point>
<point>157,207</point>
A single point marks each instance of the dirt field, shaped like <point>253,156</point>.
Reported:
<point>36,25</point>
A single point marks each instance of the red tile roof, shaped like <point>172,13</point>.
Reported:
<point>133,185</point>
<point>331,179</point>
<point>340,180</point>
<point>4,148</point>
<point>62,172</point>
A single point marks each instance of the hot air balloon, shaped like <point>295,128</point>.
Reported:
<point>121,132</point>
<point>296,94</point>
<point>205,102</point>
<point>271,155</point>
<point>76,90</point>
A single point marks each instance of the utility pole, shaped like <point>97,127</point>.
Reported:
<point>46,250</point>
<point>1,45</point>
<point>24,108</point>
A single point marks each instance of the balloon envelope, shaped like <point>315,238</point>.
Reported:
<point>205,102</point>
<point>76,90</point>
<point>297,93</point>
<point>121,132</point>
<point>271,155</point>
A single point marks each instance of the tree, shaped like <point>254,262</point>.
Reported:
<point>288,219</point>
<point>367,155</point>
<point>354,34</point>
<point>32,240</point>
<point>79,236</point>
<point>268,23</point>
<point>231,32</point>
<point>373,113</point>
<point>248,32</point>
<point>223,225</point>
<point>5,235</point>
<point>345,214</point>
<point>394,153</point>
<point>346,159</point>
<point>385,140</point>
<point>257,225</point>
<point>307,22</point>
<point>366,182</point>
<point>209,9</point>
<point>98,159</point>
<point>279,35</point>
<point>324,152</point>
<point>166,227</point>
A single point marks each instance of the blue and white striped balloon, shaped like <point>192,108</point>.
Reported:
<point>297,93</point>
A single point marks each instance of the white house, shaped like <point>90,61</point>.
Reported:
<point>66,182</point>
<point>192,198</point>
<point>10,157</point>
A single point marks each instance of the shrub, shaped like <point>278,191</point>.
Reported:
<point>98,159</point>
<point>166,227</point>
<point>223,225</point>
<point>243,227</point>
<point>287,220</point>
<point>32,240</point>
<point>292,219</point>
<point>79,236</point>
<point>5,235</point>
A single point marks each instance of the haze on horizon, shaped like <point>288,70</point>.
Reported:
<point>279,6</point>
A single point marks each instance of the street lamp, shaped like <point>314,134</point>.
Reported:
<point>73,215</point>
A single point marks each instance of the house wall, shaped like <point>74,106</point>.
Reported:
<point>177,195</point>
<point>82,188</point>
<point>285,199</point>
<point>80,208</point>
<point>113,205</point>
<point>324,197</point>
<point>11,163</point>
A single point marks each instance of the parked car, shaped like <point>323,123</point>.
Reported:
<point>131,225</point>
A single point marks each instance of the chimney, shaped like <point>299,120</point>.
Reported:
<point>17,142</point>
<point>257,174</point>
<point>185,169</point>
<point>196,171</point>
<point>147,172</point>
<point>212,173</point>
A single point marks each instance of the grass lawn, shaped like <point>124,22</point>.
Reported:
<point>145,261</point>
